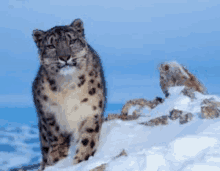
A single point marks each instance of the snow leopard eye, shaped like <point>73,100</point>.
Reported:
<point>51,46</point>
<point>73,41</point>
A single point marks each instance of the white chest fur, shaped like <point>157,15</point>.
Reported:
<point>67,107</point>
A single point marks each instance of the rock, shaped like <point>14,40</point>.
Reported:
<point>185,118</point>
<point>100,168</point>
<point>122,117</point>
<point>175,114</point>
<point>113,116</point>
<point>210,109</point>
<point>173,74</point>
<point>140,103</point>
<point>163,120</point>
<point>135,102</point>
<point>189,91</point>
<point>123,153</point>
<point>103,166</point>
<point>156,101</point>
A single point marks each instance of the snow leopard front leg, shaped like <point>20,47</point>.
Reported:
<point>88,138</point>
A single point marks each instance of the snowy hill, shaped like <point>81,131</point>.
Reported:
<point>191,146</point>
<point>179,133</point>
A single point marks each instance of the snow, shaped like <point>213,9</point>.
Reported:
<point>191,146</point>
<point>18,146</point>
<point>188,147</point>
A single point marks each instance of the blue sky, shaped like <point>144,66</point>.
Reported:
<point>132,38</point>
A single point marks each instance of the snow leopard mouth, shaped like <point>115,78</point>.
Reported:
<point>67,65</point>
<point>67,69</point>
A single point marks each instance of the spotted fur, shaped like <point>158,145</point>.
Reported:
<point>69,93</point>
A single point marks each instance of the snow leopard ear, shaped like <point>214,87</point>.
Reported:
<point>78,25</point>
<point>38,36</point>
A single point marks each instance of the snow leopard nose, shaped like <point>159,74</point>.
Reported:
<point>64,58</point>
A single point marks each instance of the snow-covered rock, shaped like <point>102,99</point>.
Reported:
<point>175,146</point>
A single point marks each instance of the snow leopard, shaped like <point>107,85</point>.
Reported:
<point>69,94</point>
